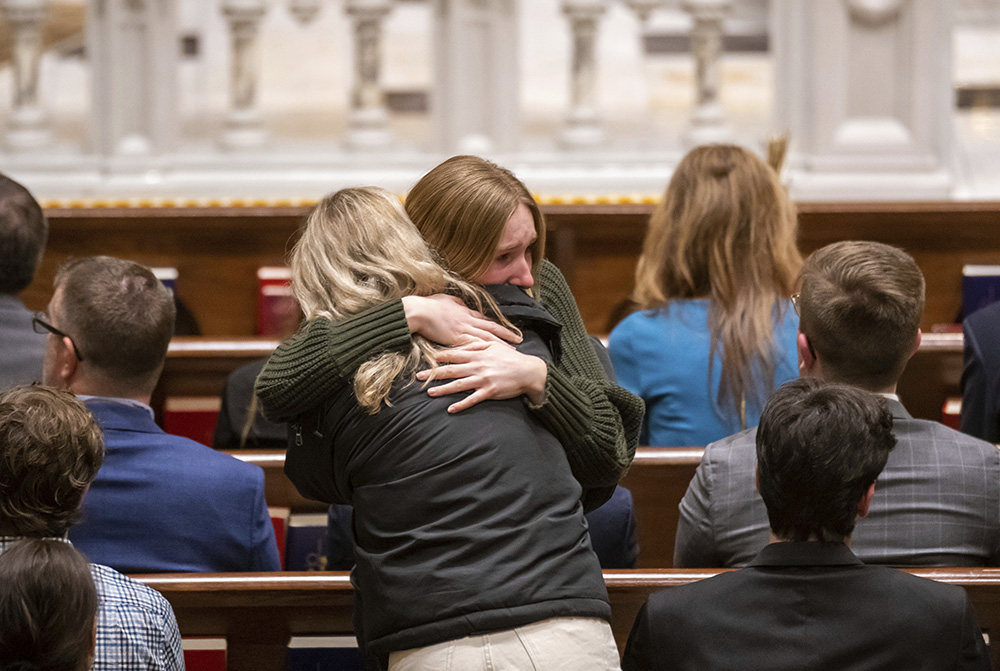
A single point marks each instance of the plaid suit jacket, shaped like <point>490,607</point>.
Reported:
<point>937,503</point>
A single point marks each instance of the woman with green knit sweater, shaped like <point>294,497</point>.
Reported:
<point>487,229</point>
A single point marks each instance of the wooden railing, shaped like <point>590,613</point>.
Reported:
<point>258,612</point>
<point>217,250</point>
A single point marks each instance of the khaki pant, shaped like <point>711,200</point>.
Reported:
<point>559,644</point>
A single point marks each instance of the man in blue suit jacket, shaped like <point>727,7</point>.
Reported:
<point>159,502</point>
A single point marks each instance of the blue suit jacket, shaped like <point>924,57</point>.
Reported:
<point>166,503</point>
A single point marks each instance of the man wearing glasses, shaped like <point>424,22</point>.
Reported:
<point>160,502</point>
<point>23,231</point>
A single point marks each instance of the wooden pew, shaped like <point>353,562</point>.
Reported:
<point>257,612</point>
<point>217,250</point>
<point>278,489</point>
<point>658,479</point>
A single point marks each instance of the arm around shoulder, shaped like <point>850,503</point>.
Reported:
<point>305,369</point>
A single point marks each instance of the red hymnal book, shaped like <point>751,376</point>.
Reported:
<point>951,413</point>
<point>279,519</point>
<point>277,311</point>
<point>204,654</point>
<point>193,417</point>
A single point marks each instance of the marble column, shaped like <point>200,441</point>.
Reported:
<point>368,121</point>
<point>475,97</point>
<point>244,128</point>
<point>133,53</point>
<point>583,124</point>
<point>708,120</point>
<point>864,87</point>
<point>28,125</point>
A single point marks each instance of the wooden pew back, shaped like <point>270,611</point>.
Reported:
<point>258,612</point>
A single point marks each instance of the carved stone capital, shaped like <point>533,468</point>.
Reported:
<point>368,9</point>
<point>643,8</point>
<point>874,13</point>
<point>578,10</point>
<point>244,10</point>
<point>304,10</point>
<point>24,11</point>
<point>707,10</point>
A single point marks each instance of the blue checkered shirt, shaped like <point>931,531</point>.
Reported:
<point>136,628</point>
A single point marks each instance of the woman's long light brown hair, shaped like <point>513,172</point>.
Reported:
<point>725,230</point>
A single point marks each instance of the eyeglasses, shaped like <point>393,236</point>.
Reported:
<point>795,303</point>
<point>40,325</point>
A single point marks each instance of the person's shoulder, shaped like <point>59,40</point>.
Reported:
<point>920,595</point>
<point>947,440</point>
<point>127,595</point>
<point>984,320</point>
<point>736,445</point>
<point>695,595</point>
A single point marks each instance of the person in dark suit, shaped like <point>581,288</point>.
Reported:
<point>938,501</point>
<point>981,375</point>
<point>23,232</point>
<point>159,502</point>
<point>806,601</point>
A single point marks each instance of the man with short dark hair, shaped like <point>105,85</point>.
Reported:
<point>23,232</point>
<point>160,502</point>
<point>50,451</point>
<point>806,601</point>
<point>938,500</point>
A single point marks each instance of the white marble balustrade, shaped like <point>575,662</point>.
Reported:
<point>288,98</point>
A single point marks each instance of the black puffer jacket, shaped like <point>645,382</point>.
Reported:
<point>463,523</point>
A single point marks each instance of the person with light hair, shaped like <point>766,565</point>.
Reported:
<point>486,228</point>
<point>469,532</point>
<point>48,607</point>
<point>715,333</point>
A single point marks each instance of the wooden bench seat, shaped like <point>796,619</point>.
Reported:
<point>258,612</point>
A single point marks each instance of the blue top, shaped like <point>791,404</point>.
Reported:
<point>662,356</point>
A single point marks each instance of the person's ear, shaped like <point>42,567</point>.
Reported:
<point>807,356</point>
<point>916,345</point>
<point>66,362</point>
<point>866,501</point>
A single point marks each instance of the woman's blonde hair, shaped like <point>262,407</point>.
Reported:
<point>725,230</point>
<point>461,207</point>
<point>359,249</point>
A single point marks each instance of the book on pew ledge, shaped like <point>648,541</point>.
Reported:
<point>951,412</point>
<point>980,287</point>
<point>324,653</point>
<point>305,542</point>
<point>193,417</point>
<point>277,309</point>
<point>167,277</point>
<point>204,654</point>
<point>279,520</point>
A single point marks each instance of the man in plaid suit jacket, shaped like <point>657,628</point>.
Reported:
<point>937,503</point>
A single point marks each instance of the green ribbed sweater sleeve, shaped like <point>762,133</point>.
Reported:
<point>305,369</point>
<point>596,421</point>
